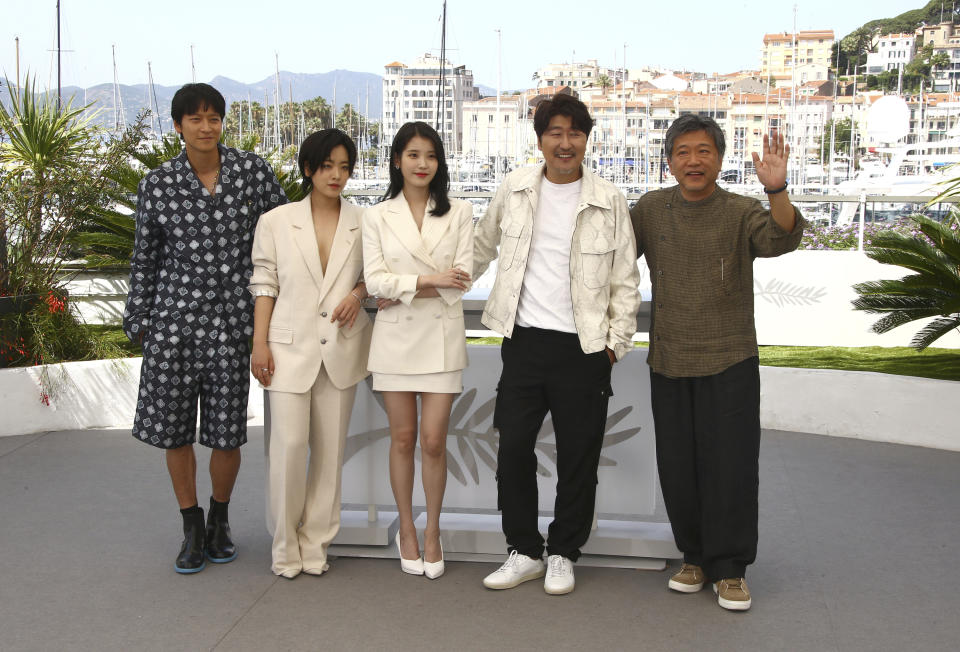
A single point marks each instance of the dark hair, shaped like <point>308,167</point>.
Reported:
<point>562,104</point>
<point>316,149</point>
<point>192,98</point>
<point>441,180</point>
<point>688,123</point>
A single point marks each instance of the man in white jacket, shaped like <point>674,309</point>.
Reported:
<point>565,298</point>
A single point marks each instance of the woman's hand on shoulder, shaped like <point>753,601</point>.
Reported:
<point>261,363</point>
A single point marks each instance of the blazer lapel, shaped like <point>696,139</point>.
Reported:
<point>400,221</point>
<point>348,228</point>
<point>306,238</point>
<point>434,228</point>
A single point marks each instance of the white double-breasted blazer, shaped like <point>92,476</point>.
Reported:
<point>418,335</point>
<point>286,263</point>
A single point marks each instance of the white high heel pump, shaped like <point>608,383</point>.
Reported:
<point>434,569</point>
<point>411,566</point>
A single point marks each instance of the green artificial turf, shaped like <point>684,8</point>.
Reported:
<point>942,364</point>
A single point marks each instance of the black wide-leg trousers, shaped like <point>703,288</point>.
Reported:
<point>708,447</point>
<point>547,371</point>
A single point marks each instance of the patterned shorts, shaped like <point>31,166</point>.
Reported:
<point>174,377</point>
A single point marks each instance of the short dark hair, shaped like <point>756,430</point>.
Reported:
<point>688,123</point>
<point>192,98</point>
<point>441,180</point>
<point>562,104</point>
<point>317,147</point>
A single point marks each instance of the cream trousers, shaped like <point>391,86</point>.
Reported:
<point>303,496</point>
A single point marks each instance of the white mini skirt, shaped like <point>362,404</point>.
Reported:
<point>442,382</point>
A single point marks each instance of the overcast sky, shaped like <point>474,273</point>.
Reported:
<point>238,39</point>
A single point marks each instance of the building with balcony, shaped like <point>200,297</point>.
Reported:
<point>893,52</point>
<point>797,58</point>
<point>413,92</point>
<point>555,76</point>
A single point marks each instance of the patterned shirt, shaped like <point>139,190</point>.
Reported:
<point>700,255</point>
<point>191,255</point>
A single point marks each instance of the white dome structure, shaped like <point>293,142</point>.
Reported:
<point>888,120</point>
<point>669,83</point>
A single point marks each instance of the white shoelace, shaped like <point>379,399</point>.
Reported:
<point>511,561</point>
<point>559,565</point>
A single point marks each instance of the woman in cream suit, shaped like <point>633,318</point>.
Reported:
<point>310,346</point>
<point>417,248</point>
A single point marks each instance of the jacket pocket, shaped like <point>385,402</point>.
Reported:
<point>596,256</point>
<point>509,241</point>
<point>389,315</point>
<point>280,335</point>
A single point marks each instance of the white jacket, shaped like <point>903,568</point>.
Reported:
<point>603,259</point>
<point>418,335</point>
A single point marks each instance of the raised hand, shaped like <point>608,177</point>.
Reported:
<point>772,170</point>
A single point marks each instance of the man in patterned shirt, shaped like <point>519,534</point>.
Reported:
<point>700,241</point>
<point>189,309</point>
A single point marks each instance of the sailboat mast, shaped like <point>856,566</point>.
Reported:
<point>153,98</point>
<point>118,120</point>
<point>276,102</point>
<point>59,85</point>
<point>443,58</point>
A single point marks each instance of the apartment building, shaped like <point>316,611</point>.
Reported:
<point>413,92</point>
<point>797,58</point>
<point>487,130</point>
<point>893,52</point>
<point>555,76</point>
<point>945,38</point>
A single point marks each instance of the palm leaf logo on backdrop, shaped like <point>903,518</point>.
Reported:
<point>470,445</point>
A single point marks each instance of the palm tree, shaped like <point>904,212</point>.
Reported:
<point>604,82</point>
<point>42,186</point>
<point>106,238</point>
<point>932,291</point>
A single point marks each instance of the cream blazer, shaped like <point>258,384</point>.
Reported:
<point>416,336</point>
<point>286,264</point>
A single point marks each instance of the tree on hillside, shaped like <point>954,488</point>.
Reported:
<point>852,47</point>
<point>930,14</point>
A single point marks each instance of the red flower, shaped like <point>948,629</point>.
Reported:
<point>54,303</point>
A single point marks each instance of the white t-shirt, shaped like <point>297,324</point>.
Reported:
<point>545,300</point>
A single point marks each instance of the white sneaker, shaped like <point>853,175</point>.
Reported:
<point>559,578</point>
<point>516,570</point>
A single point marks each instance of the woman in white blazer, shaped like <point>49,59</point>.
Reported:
<point>417,248</point>
<point>310,346</point>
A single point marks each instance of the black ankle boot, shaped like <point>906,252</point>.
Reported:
<point>190,559</point>
<point>220,547</point>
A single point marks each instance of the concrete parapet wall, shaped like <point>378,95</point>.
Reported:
<point>860,405</point>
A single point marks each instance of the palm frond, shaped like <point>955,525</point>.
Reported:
<point>934,330</point>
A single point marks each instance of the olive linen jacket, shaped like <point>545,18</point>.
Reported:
<point>603,261</point>
<point>286,264</point>
<point>418,335</point>
<point>700,256</point>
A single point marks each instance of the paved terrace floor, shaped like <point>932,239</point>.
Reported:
<point>858,546</point>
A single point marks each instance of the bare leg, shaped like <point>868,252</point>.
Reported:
<point>182,466</point>
<point>224,466</point>
<point>402,415</point>
<point>434,421</point>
